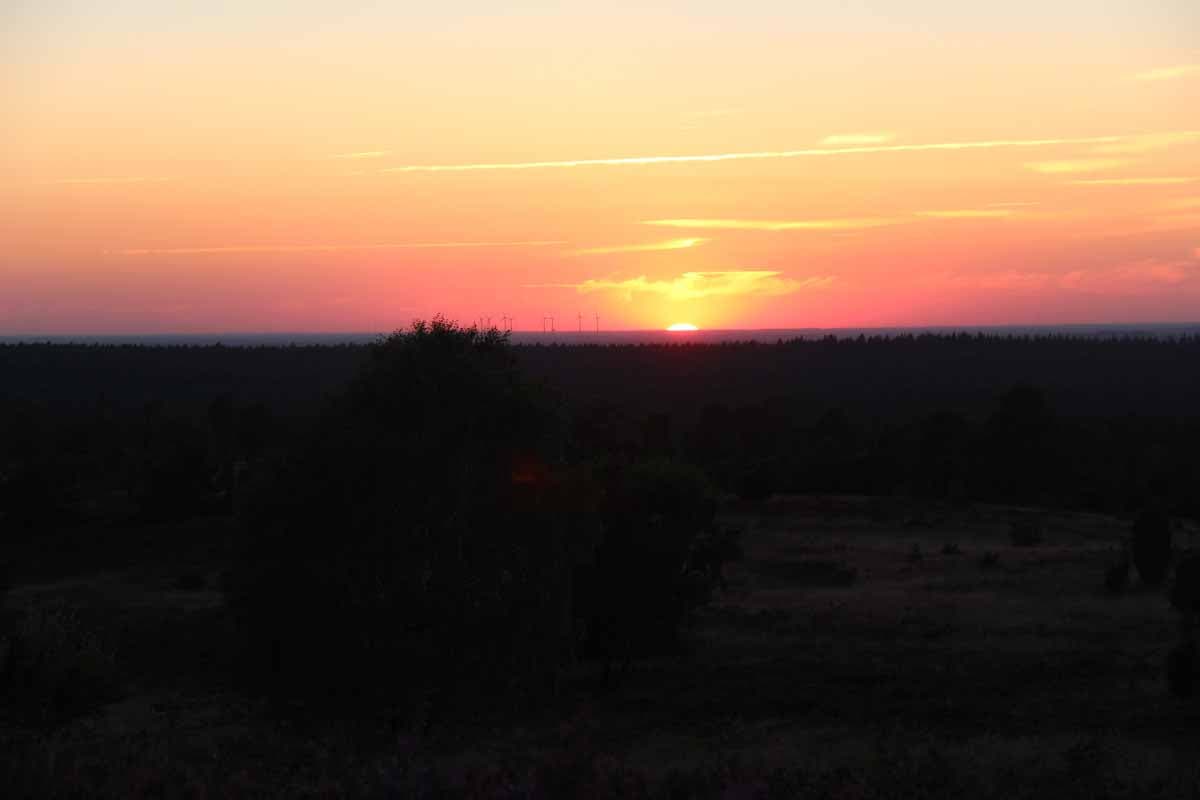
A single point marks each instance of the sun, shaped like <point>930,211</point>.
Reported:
<point>682,326</point>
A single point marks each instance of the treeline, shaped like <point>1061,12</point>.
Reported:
<point>123,432</point>
<point>889,377</point>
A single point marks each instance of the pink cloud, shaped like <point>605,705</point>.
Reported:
<point>1146,275</point>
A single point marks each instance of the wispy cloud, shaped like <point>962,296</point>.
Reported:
<point>1160,223</point>
<point>363,155</point>
<point>118,180</point>
<point>1169,73</point>
<point>1146,275</point>
<point>323,248</point>
<point>695,285</point>
<point>1172,222</point>
<point>849,224</point>
<point>775,225</point>
<point>1149,142</point>
<point>756,155</point>
<point>969,213</point>
<point>858,138</point>
<point>670,244</point>
<point>1165,181</point>
<point>1138,276</point>
<point>1009,280</point>
<point>1077,165</point>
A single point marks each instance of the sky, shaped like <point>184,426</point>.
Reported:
<point>265,165</point>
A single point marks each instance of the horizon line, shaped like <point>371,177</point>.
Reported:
<point>35,337</point>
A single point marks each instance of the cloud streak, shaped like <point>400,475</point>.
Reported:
<point>323,248</point>
<point>969,213</point>
<point>1165,181</point>
<point>755,155</point>
<point>670,244</point>
<point>775,225</point>
<point>848,224</point>
<point>1146,275</point>
<point>1076,165</point>
<point>1169,73</point>
<point>1150,142</point>
<point>697,285</point>
<point>102,181</point>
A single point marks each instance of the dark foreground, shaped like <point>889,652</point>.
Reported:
<point>442,566</point>
<point>862,648</point>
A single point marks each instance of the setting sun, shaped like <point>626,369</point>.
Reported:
<point>682,326</point>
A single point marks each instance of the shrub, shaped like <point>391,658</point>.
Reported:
<point>659,559</point>
<point>417,545</point>
<point>989,560</point>
<point>951,549</point>
<point>709,553</point>
<point>1116,577</point>
<point>1026,530</point>
<point>1181,669</point>
<point>1152,546</point>
<point>1185,589</point>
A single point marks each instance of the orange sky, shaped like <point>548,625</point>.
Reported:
<point>332,167</point>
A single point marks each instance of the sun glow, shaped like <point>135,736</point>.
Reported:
<point>682,326</point>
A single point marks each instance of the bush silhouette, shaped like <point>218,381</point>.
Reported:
<point>1185,589</point>
<point>1181,669</point>
<point>659,559</point>
<point>1116,576</point>
<point>1026,530</point>
<point>417,544</point>
<point>1017,438</point>
<point>1152,546</point>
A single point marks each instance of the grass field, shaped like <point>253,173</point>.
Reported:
<point>860,649</point>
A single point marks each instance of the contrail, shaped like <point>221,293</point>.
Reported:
<point>82,181</point>
<point>767,154</point>
<point>326,248</point>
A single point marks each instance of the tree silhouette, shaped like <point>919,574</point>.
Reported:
<point>1152,546</point>
<point>652,567</point>
<point>417,544</point>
